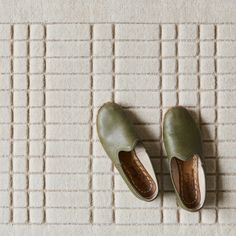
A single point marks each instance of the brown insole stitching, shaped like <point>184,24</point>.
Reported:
<point>194,171</point>
<point>180,167</point>
<point>195,176</point>
<point>142,171</point>
<point>133,182</point>
<point>182,189</point>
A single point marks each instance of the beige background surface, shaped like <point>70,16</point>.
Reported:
<point>60,60</point>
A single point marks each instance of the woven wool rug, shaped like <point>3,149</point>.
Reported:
<point>61,60</point>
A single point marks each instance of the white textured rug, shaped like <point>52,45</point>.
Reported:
<point>60,61</point>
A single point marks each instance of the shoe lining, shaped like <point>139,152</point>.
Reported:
<point>137,174</point>
<point>185,175</point>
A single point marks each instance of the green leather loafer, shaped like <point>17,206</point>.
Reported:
<point>123,147</point>
<point>183,145</point>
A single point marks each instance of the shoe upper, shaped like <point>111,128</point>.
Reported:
<point>115,131</point>
<point>181,135</point>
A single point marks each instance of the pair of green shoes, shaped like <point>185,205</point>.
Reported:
<point>183,145</point>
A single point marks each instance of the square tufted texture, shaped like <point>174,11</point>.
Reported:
<point>54,75</point>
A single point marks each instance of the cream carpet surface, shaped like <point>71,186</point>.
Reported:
<point>61,60</point>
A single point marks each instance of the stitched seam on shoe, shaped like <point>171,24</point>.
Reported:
<point>195,182</point>
<point>147,177</point>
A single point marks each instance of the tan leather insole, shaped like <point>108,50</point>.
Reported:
<point>188,182</point>
<point>137,174</point>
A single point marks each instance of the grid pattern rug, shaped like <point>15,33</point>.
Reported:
<point>55,76</point>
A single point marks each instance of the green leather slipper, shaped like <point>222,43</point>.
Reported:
<point>182,140</point>
<point>123,147</point>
